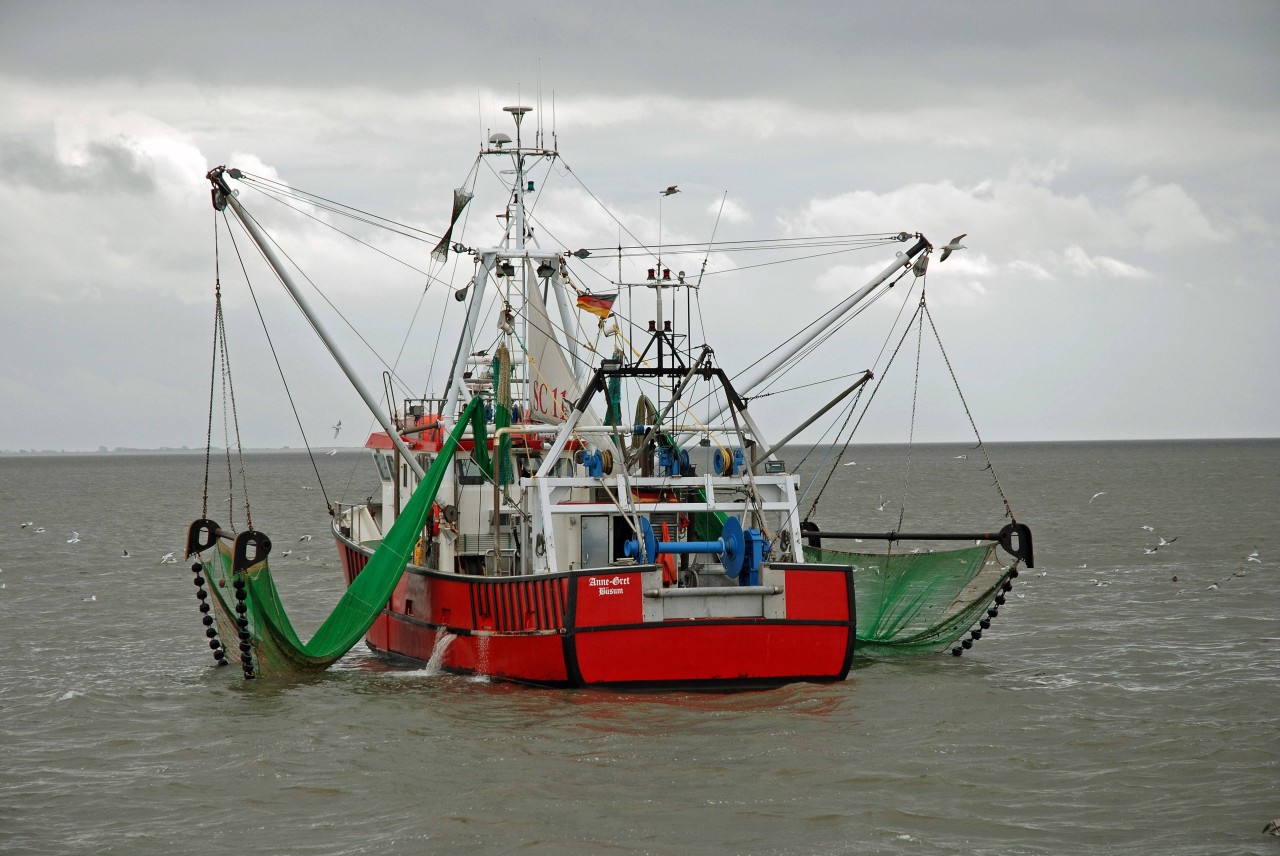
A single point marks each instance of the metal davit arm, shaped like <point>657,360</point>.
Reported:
<point>224,196</point>
<point>1013,538</point>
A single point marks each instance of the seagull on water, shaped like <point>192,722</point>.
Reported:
<point>1096,495</point>
<point>948,249</point>
<point>75,538</point>
<point>1272,827</point>
<point>25,525</point>
<point>1149,528</point>
<point>124,554</point>
<point>336,429</point>
<point>851,463</point>
<point>670,190</point>
<point>961,458</point>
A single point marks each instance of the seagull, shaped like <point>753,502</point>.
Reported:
<point>39,529</point>
<point>1096,495</point>
<point>880,507</point>
<point>1149,528</point>
<point>124,554</point>
<point>1253,557</point>
<point>25,525</point>
<point>851,464</point>
<point>1272,827</point>
<point>305,538</point>
<point>1164,543</point>
<point>336,429</point>
<point>1212,587</point>
<point>91,597</point>
<point>961,457</point>
<point>670,190</point>
<point>285,553</point>
<point>332,452</point>
<point>948,249</point>
<point>168,559</point>
<point>1149,550</point>
<point>75,538</point>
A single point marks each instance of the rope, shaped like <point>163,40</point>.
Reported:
<point>213,364</point>
<point>879,382</point>
<point>288,393</point>
<point>915,398</point>
<point>982,446</point>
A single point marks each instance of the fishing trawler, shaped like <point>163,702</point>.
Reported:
<point>591,501</point>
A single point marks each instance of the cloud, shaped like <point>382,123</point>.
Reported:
<point>1165,216</point>
<point>730,211</point>
<point>114,165</point>
<point>1024,226</point>
<point>1080,263</point>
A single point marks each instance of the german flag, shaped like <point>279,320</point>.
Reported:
<point>598,304</point>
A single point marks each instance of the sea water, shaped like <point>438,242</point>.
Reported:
<point>1122,702</point>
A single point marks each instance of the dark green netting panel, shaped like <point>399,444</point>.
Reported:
<point>275,644</point>
<point>914,602</point>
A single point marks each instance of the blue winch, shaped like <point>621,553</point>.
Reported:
<point>672,462</point>
<point>730,463</point>
<point>737,549</point>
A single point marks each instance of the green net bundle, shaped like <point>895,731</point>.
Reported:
<point>275,646</point>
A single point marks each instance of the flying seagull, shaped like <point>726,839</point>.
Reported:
<point>305,538</point>
<point>948,249</point>
<point>1096,495</point>
<point>1164,543</point>
<point>74,539</point>
<point>880,507</point>
<point>168,559</point>
<point>670,190</point>
<point>1272,827</point>
<point>336,429</point>
<point>1253,557</point>
<point>331,452</point>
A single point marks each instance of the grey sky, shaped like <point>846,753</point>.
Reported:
<point>1114,167</point>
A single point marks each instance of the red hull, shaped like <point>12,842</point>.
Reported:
<point>589,628</point>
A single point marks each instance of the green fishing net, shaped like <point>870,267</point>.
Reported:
<point>916,602</point>
<point>275,645</point>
